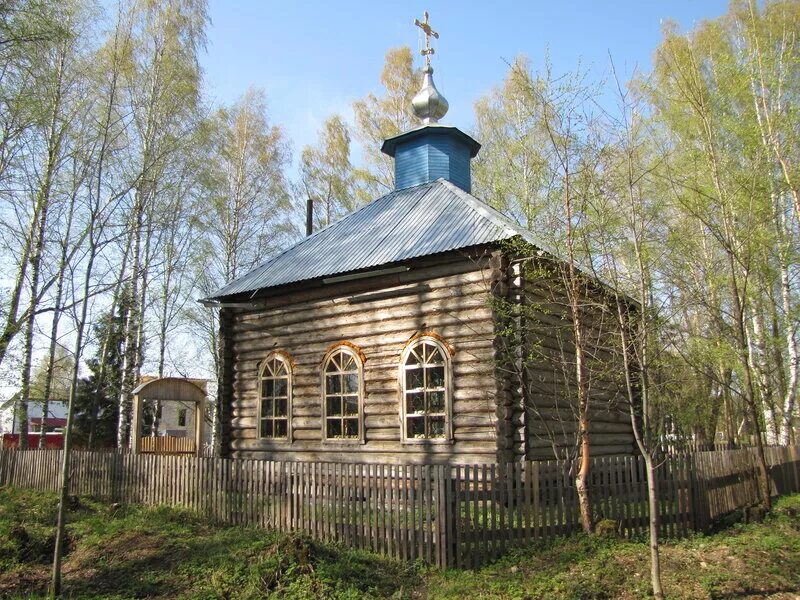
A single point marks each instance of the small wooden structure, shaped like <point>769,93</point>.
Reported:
<point>169,389</point>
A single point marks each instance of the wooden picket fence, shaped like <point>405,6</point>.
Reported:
<point>167,445</point>
<point>452,516</point>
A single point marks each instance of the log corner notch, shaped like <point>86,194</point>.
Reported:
<point>507,297</point>
<point>225,383</point>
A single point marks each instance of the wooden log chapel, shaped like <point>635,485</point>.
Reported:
<point>385,336</point>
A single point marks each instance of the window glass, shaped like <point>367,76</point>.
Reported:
<point>425,391</point>
<point>342,390</point>
<point>273,420</point>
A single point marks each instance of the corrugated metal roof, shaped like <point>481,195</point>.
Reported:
<point>404,224</point>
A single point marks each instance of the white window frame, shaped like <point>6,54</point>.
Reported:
<point>356,356</point>
<point>448,391</point>
<point>287,363</point>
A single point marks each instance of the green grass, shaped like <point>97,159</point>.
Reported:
<point>136,552</point>
<point>743,561</point>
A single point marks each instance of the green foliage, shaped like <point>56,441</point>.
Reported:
<point>384,116</point>
<point>129,551</point>
<point>244,217</point>
<point>512,172</point>
<point>326,175</point>
<point>719,93</point>
<point>61,374</point>
<point>683,196</point>
<point>96,398</point>
<point>28,23</point>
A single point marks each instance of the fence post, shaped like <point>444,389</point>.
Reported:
<point>3,463</point>
<point>453,511</point>
<point>116,477</point>
<point>444,515</point>
<point>794,453</point>
<point>440,517</point>
<point>699,497</point>
<point>5,467</point>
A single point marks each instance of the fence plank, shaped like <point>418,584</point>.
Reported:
<point>457,515</point>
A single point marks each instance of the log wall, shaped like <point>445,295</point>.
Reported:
<point>513,397</point>
<point>509,360</point>
<point>445,296</point>
<point>550,373</point>
<point>225,392</point>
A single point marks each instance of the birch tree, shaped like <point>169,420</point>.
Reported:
<point>380,117</point>
<point>163,83</point>
<point>720,194</point>
<point>110,180</point>
<point>245,199</point>
<point>98,213</point>
<point>631,234</point>
<point>58,297</point>
<point>554,111</point>
<point>60,77</point>
<point>29,30</point>
<point>326,174</point>
<point>512,173</point>
<point>768,42</point>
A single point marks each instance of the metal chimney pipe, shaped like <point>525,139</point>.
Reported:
<point>309,217</point>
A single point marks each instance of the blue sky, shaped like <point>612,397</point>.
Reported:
<point>314,57</point>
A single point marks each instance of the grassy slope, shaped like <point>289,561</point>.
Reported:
<point>159,552</point>
<point>129,552</point>
<point>743,561</point>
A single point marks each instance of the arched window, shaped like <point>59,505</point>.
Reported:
<point>274,411</point>
<point>342,395</point>
<point>426,388</point>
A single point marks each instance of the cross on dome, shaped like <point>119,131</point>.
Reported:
<point>429,105</point>
<point>429,32</point>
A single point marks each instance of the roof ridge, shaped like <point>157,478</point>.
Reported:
<point>316,234</point>
<point>486,211</point>
<point>482,207</point>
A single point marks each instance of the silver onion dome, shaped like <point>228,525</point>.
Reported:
<point>429,104</point>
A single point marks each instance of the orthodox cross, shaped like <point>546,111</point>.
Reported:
<point>426,28</point>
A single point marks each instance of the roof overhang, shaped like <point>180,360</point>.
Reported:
<point>390,145</point>
<point>158,381</point>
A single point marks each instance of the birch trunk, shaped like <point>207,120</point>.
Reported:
<point>573,291</point>
<point>121,38</point>
<point>101,376</point>
<point>58,550</point>
<point>54,138</point>
<point>59,292</point>
<point>767,104</point>
<point>143,196</point>
<point>13,322</point>
<point>127,382</point>
<point>789,401</point>
<point>738,292</point>
<point>757,347</point>
<point>749,388</point>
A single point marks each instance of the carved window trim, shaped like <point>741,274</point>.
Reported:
<point>427,417</point>
<point>268,365</point>
<point>339,374</point>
